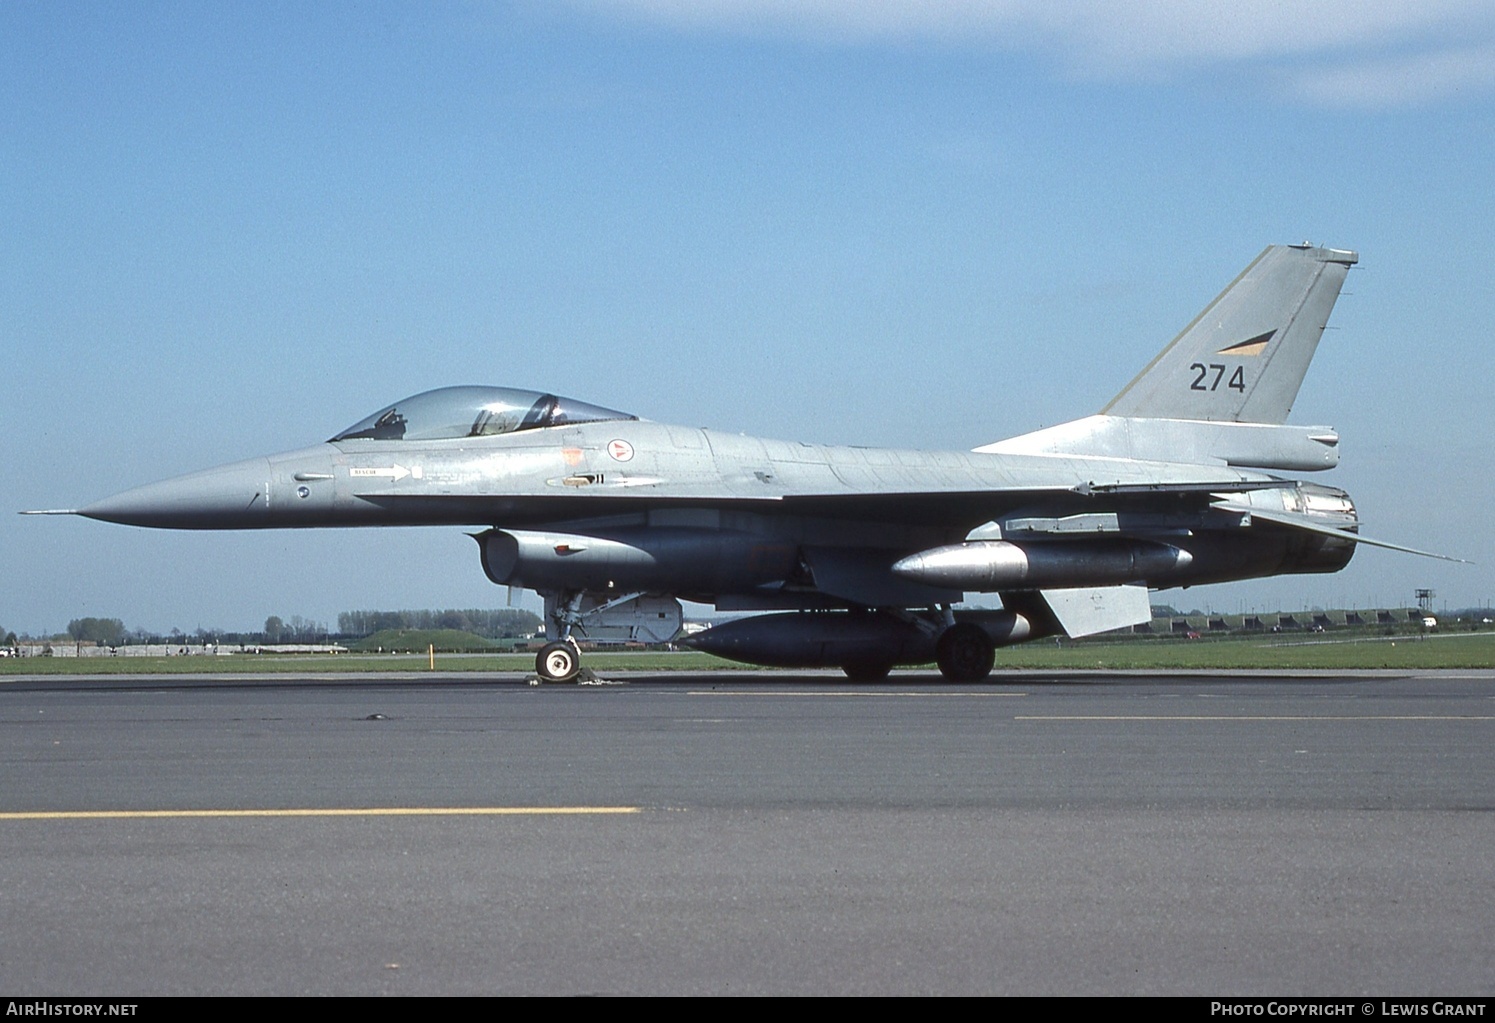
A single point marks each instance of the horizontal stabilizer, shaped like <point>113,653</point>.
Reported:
<point>1248,445</point>
<point>1304,522</point>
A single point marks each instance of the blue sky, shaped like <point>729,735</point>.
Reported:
<point>228,229</point>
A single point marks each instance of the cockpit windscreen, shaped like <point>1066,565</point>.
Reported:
<point>450,413</point>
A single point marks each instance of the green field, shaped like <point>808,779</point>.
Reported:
<point>1453,650</point>
<point>1450,650</point>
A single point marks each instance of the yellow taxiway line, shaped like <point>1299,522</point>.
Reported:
<point>372,811</point>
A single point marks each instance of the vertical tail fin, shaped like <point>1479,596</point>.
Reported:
<point>1243,359</point>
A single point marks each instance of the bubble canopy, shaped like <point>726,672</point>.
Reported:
<point>449,413</point>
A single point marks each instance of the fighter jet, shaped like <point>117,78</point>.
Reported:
<point>855,556</point>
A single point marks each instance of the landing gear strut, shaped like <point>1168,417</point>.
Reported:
<point>560,660</point>
<point>965,653</point>
<point>567,615</point>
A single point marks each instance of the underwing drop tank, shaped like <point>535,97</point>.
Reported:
<point>848,639</point>
<point>984,566</point>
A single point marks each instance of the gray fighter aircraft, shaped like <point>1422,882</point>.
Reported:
<point>861,551</point>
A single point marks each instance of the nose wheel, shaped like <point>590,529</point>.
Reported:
<point>557,662</point>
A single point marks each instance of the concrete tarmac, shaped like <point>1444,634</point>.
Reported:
<point>749,833</point>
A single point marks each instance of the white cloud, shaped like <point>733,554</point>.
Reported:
<point>1397,81</point>
<point>1321,47</point>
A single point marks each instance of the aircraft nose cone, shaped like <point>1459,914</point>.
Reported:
<point>229,497</point>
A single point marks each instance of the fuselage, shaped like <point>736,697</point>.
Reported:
<point>624,478</point>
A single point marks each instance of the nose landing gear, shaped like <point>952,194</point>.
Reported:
<point>566,611</point>
<point>558,662</point>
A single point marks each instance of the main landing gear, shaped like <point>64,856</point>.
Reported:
<point>965,653</point>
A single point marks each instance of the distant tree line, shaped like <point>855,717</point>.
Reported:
<point>293,630</point>
<point>112,632</point>
<point>103,631</point>
<point>508,623</point>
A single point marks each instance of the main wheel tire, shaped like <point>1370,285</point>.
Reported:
<point>866,671</point>
<point>965,653</point>
<point>557,662</point>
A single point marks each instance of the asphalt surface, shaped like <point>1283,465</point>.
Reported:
<point>749,833</point>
